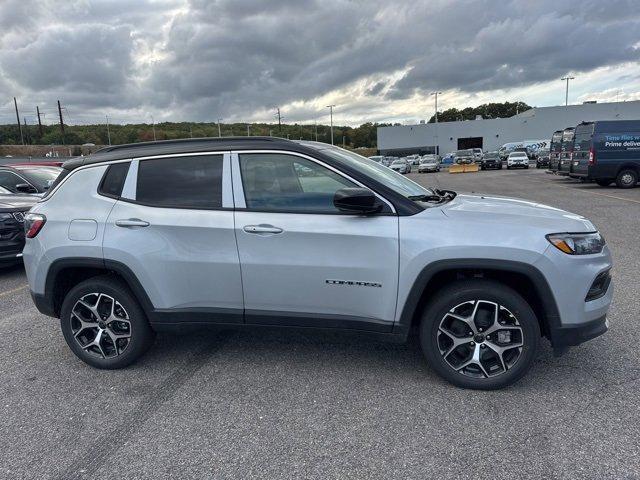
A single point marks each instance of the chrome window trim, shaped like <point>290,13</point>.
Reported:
<point>237,179</point>
<point>129,187</point>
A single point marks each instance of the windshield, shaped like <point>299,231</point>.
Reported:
<point>490,155</point>
<point>464,153</point>
<point>556,140</point>
<point>42,178</point>
<point>428,160</point>
<point>398,162</point>
<point>393,180</point>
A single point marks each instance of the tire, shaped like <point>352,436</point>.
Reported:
<point>508,167</point>
<point>461,297</point>
<point>526,167</point>
<point>96,294</point>
<point>500,167</point>
<point>627,178</point>
<point>604,183</point>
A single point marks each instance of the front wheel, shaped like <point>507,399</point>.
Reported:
<point>627,178</point>
<point>103,323</point>
<point>479,334</point>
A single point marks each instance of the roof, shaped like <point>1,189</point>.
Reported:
<point>188,145</point>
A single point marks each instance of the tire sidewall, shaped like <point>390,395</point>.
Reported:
<point>448,298</point>
<point>141,333</point>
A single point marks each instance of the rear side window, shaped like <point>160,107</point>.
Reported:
<point>181,182</point>
<point>113,179</point>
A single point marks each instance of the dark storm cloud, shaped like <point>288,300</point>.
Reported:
<point>203,59</point>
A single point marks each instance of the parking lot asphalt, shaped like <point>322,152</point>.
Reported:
<point>322,405</point>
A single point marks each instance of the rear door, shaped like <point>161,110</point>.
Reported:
<point>303,261</point>
<point>173,228</point>
<point>581,145</point>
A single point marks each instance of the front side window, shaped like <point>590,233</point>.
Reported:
<point>181,182</point>
<point>281,182</point>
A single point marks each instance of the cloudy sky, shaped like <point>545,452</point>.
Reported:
<point>376,60</point>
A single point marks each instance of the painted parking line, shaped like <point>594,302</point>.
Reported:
<point>14,290</point>
<point>591,192</point>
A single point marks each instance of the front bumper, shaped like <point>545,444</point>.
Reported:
<point>572,335</point>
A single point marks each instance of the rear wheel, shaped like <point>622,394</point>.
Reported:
<point>627,178</point>
<point>103,323</point>
<point>479,334</point>
<point>604,182</point>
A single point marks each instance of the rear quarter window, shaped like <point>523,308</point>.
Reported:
<point>113,180</point>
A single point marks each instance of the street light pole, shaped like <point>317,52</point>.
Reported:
<point>219,131</point>
<point>330,107</point>
<point>436,95</point>
<point>566,94</point>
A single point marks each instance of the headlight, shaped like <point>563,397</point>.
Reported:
<point>577,243</point>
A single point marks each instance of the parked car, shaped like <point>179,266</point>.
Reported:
<point>13,208</point>
<point>517,160</point>
<point>31,179</point>
<point>542,158</point>
<point>377,158</point>
<point>464,156</point>
<point>401,165</point>
<point>555,147</point>
<point>429,163</point>
<point>413,159</point>
<point>449,158</point>
<point>161,235</point>
<point>566,151</point>
<point>491,160</point>
<point>607,152</point>
<point>477,153</point>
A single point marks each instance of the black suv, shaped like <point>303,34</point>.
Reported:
<point>34,179</point>
<point>491,160</point>
<point>12,211</point>
<point>607,152</point>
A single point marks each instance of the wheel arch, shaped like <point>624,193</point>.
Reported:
<point>526,279</point>
<point>64,274</point>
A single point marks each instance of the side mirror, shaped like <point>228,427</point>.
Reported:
<point>26,188</point>
<point>357,200</point>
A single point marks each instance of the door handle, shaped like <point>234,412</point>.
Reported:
<point>260,229</point>
<point>131,222</point>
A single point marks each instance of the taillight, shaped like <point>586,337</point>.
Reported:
<point>592,156</point>
<point>33,223</point>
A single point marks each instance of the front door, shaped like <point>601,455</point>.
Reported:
<point>303,261</point>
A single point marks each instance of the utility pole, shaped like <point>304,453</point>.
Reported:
<point>26,130</point>
<point>39,122</point>
<point>248,133</point>
<point>190,132</point>
<point>279,121</point>
<point>15,102</point>
<point>219,130</point>
<point>153,126</point>
<point>61,122</point>
<point>108,131</point>
<point>566,94</point>
<point>330,107</point>
<point>315,122</point>
<point>436,95</point>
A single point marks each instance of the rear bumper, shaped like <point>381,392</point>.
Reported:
<point>43,303</point>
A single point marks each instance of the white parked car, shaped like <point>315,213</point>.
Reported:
<point>401,165</point>
<point>478,154</point>
<point>429,163</point>
<point>517,160</point>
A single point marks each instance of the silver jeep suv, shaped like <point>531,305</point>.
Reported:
<point>262,231</point>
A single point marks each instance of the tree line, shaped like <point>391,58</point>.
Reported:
<point>364,136</point>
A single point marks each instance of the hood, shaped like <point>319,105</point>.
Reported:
<point>18,202</point>
<point>501,210</point>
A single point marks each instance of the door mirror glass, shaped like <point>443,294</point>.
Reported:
<point>26,188</point>
<point>357,200</point>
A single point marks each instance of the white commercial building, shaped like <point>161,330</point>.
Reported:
<point>491,134</point>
